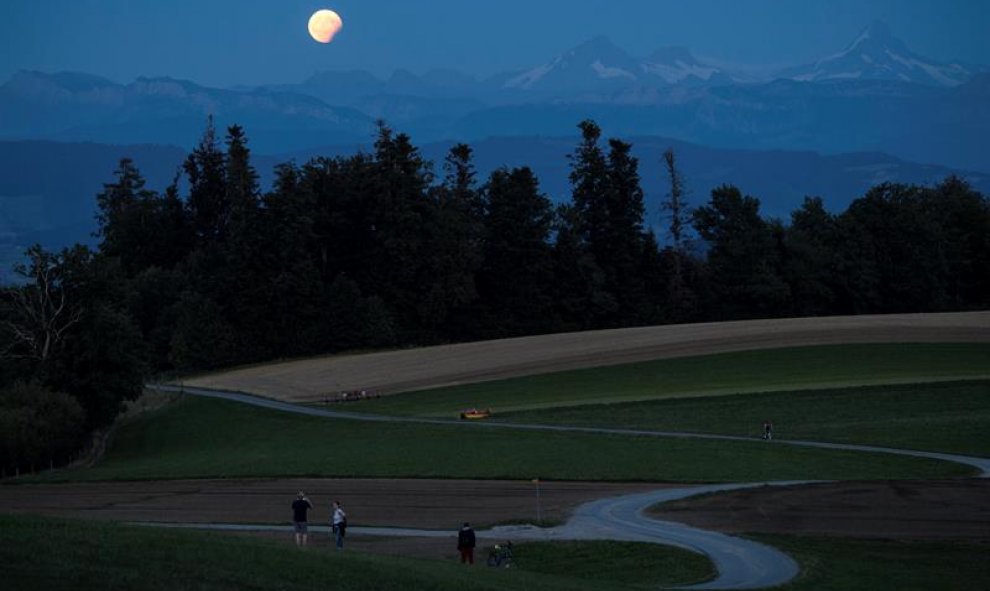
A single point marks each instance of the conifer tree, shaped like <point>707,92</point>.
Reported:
<point>208,201</point>
<point>516,264</point>
<point>622,252</point>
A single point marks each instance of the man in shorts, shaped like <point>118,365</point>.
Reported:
<point>300,507</point>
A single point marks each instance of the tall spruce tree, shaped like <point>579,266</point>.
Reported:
<point>588,228</point>
<point>622,251</point>
<point>456,243</point>
<point>208,201</point>
<point>247,298</point>
<point>515,270</point>
<point>399,261</point>
<point>241,186</point>
<point>137,226</point>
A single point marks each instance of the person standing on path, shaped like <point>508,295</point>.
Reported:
<point>300,508</point>
<point>338,524</point>
<point>767,430</point>
<point>466,543</point>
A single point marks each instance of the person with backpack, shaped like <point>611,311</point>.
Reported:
<point>338,524</point>
<point>466,543</point>
<point>767,430</point>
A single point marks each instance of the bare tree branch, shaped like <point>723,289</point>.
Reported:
<point>42,313</point>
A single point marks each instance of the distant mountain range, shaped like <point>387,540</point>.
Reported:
<point>599,71</point>
<point>82,107</point>
<point>875,95</point>
<point>835,127</point>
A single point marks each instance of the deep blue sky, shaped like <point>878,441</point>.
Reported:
<point>227,42</point>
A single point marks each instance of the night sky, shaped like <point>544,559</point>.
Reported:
<point>227,42</point>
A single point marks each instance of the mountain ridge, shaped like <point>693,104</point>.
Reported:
<point>670,93</point>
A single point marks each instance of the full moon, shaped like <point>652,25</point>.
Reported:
<point>324,24</point>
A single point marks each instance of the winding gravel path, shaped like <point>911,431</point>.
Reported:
<point>740,563</point>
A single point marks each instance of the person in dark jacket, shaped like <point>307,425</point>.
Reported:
<point>466,543</point>
<point>300,507</point>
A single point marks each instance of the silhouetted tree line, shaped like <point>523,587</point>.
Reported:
<point>378,250</point>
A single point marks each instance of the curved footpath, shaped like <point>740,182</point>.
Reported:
<point>740,563</point>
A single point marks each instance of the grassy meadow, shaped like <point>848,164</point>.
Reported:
<point>629,563</point>
<point>951,417</point>
<point>843,564</point>
<point>932,397</point>
<point>208,438</point>
<point>799,368</point>
<point>58,554</point>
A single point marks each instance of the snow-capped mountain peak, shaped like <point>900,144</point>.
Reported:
<point>674,65</point>
<point>877,54</point>
<point>583,66</point>
<point>598,65</point>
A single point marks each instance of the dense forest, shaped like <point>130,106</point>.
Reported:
<point>379,250</point>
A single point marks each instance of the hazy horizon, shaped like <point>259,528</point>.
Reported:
<point>266,42</point>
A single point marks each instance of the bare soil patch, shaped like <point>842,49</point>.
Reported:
<point>893,509</point>
<point>314,380</point>
<point>427,504</point>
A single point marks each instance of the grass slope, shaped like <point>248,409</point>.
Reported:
<point>55,554</point>
<point>728,373</point>
<point>949,416</point>
<point>630,563</point>
<point>841,564</point>
<point>199,438</point>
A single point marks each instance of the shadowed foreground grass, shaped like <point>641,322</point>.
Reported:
<point>950,417</point>
<point>833,366</point>
<point>56,554</point>
<point>632,563</point>
<point>208,438</point>
<point>41,553</point>
<point>842,564</point>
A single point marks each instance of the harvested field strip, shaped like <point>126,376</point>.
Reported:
<point>310,380</point>
<point>723,374</point>
<point>206,438</point>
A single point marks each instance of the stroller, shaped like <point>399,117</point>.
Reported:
<point>500,556</point>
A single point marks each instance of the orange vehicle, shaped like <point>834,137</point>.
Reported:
<point>473,414</point>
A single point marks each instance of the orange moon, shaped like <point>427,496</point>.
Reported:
<point>324,24</point>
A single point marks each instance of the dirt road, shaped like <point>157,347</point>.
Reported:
<point>428,504</point>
